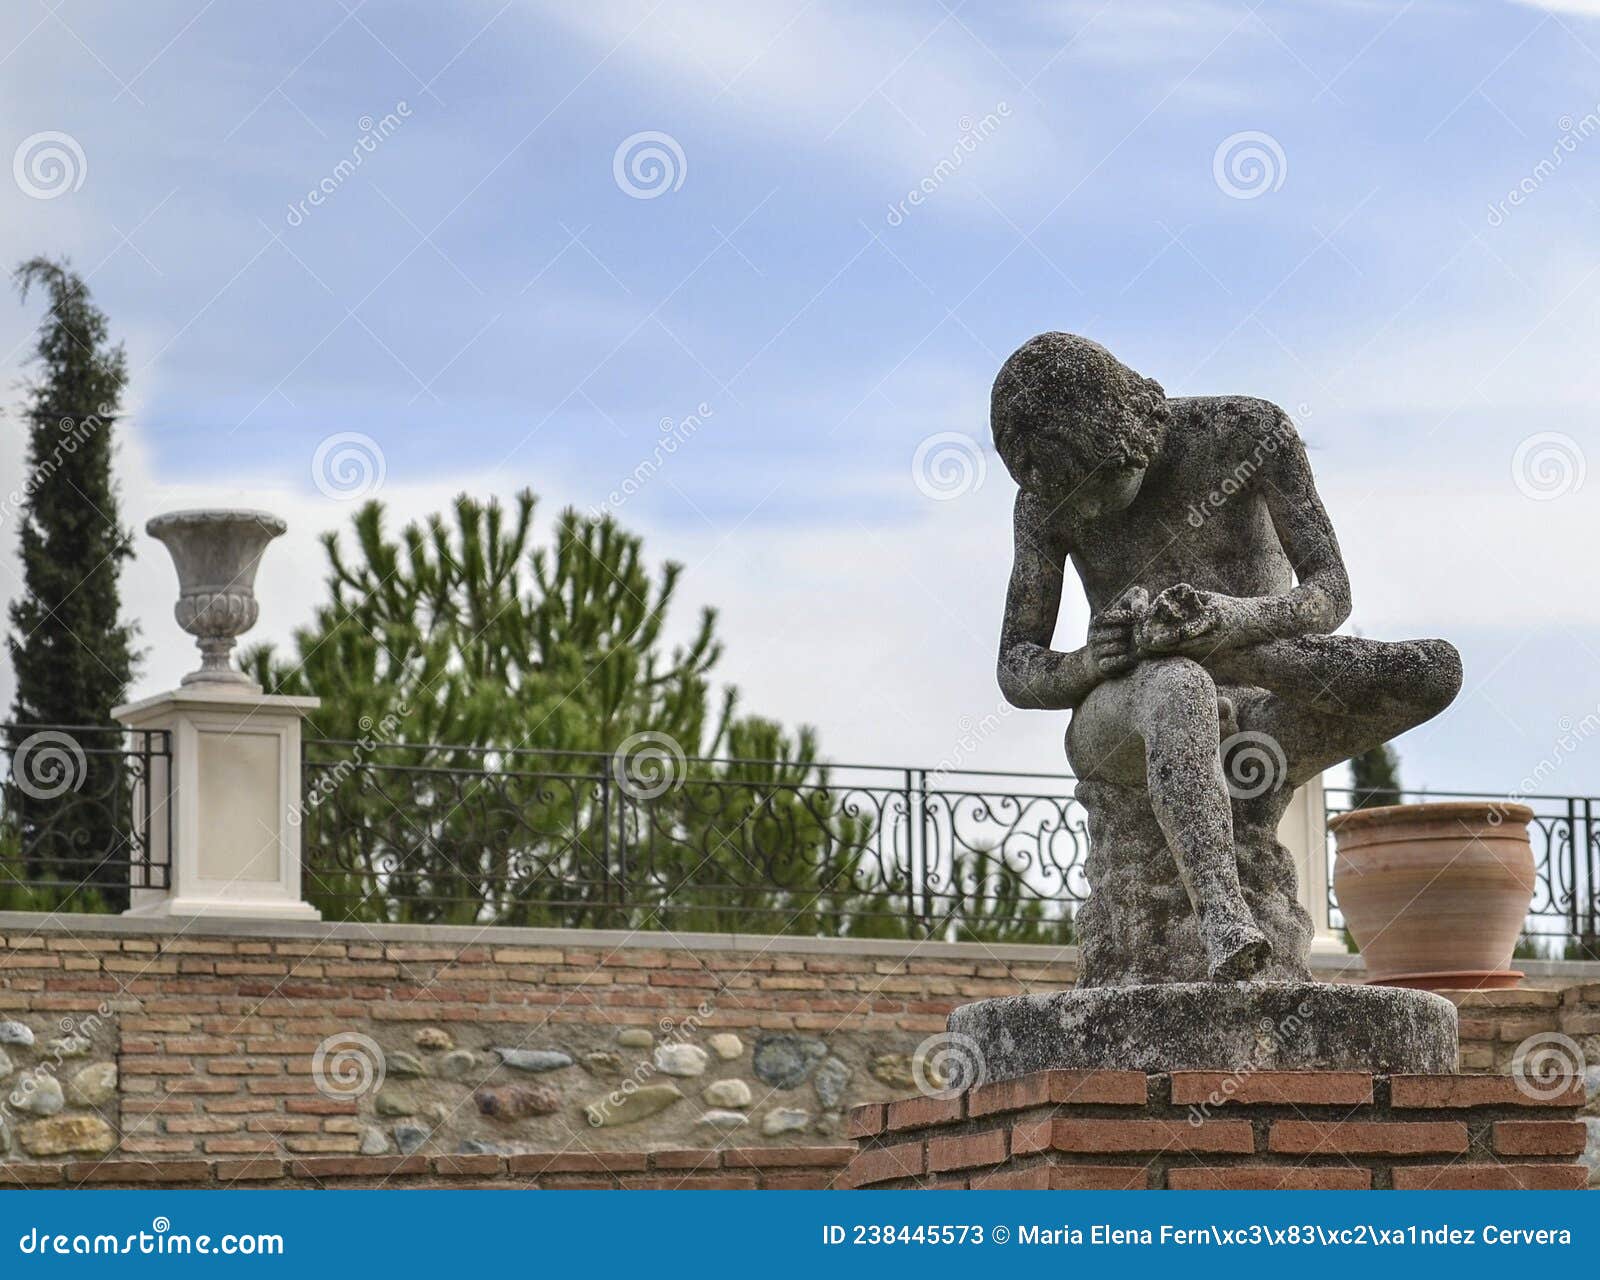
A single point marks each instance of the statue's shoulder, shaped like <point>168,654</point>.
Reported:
<point>1230,420</point>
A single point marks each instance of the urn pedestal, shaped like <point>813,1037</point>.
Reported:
<point>229,831</point>
<point>225,802</point>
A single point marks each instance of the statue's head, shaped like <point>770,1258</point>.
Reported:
<point>1074,424</point>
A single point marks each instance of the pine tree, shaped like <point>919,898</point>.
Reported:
<point>71,653</point>
<point>1375,777</point>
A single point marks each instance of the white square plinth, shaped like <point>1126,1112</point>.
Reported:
<point>234,796</point>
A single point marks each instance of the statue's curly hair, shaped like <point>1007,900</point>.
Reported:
<point>1063,386</point>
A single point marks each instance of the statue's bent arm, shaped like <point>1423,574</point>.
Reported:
<point>1032,674</point>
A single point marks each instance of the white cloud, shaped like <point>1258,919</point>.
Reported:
<point>1584,8</point>
<point>889,86</point>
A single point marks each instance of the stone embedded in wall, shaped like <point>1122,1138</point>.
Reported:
<point>727,1093</point>
<point>433,1039</point>
<point>515,1101</point>
<point>38,1094</point>
<point>374,1142</point>
<point>785,1120</point>
<point>830,1080</point>
<point>894,1070</point>
<point>681,1060</point>
<point>409,1137</point>
<point>784,1061</point>
<point>6,1067</point>
<point>69,1047</point>
<point>95,1085</point>
<point>402,1065</point>
<point>629,1108</point>
<point>534,1059</point>
<point>395,1102</point>
<point>458,1064</point>
<point>13,1032</point>
<point>67,1135</point>
<point>602,1062</point>
<point>724,1120</point>
<point>635,1038</point>
<point>725,1045</point>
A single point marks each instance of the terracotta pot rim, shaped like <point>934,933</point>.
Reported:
<point>1452,980</point>
<point>1440,811</point>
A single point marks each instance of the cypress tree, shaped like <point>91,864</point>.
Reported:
<point>71,653</point>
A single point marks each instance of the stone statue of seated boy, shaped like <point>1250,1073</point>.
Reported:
<point>1211,683</point>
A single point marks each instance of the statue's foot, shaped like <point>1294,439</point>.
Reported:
<point>1227,718</point>
<point>1236,951</point>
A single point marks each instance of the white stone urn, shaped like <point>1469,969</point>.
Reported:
<point>217,553</point>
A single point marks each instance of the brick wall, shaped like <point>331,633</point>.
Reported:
<point>739,1168</point>
<point>1200,1130</point>
<point>1494,1024</point>
<point>172,1043</point>
<point>215,1034</point>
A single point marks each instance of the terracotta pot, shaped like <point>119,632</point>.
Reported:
<point>1435,894</point>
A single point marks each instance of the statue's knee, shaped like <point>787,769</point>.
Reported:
<point>1182,682</point>
<point>1441,674</point>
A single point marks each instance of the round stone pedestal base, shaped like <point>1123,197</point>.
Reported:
<point>1207,1026</point>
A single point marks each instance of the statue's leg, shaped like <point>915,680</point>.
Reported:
<point>1157,728</point>
<point>1336,696</point>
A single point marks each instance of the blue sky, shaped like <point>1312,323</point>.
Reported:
<point>485,300</point>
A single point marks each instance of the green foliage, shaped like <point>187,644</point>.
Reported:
<point>1531,948</point>
<point>535,665</point>
<point>1375,777</point>
<point>992,903</point>
<point>71,652</point>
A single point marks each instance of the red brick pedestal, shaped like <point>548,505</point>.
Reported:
<point>1116,1130</point>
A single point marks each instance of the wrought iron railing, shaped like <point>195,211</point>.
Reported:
<point>655,840</point>
<point>648,839</point>
<point>85,815</point>
<point>1565,835</point>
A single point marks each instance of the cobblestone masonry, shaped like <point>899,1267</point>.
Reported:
<point>1059,1130</point>
<point>235,1043</point>
<point>176,1045</point>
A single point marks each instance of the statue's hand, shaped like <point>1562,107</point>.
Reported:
<point>1111,642</point>
<point>1181,620</point>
